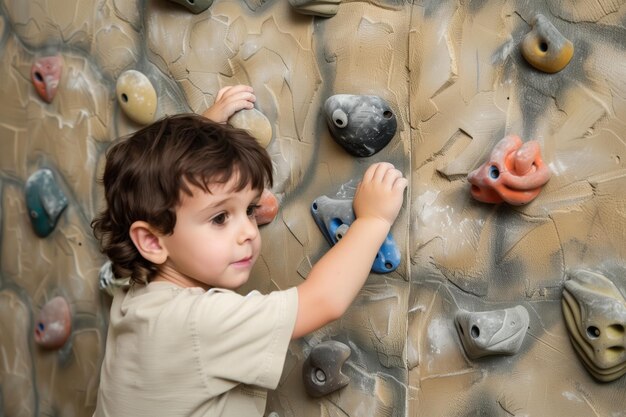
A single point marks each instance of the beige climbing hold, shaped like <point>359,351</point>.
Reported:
<point>255,123</point>
<point>595,315</point>
<point>322,8</point>
<point>545,48</point>
<point>136,96</point>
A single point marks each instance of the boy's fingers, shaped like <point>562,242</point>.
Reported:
<point>382,169</point>
<point>400,184</point>
<point>390,176</point>
<point>221,93</point>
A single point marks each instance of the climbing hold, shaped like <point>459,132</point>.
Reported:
<point>195,6</point>
<point>45,201</point>
<point>268,208</point>
<point>334,217</point>
<point>136,96</point>
<point>107,281</point>
<point>595,316</point>
<point>497,332</point>
<point>54,324</point>
<point>321,371</point>
<point>514,173</point>
<point>545,48</point>
<point>322,8</point>
<point>362,125</point>
<point>45,74</point>
<point>255,123</point>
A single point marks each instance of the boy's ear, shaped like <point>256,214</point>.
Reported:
<point>148,242</point>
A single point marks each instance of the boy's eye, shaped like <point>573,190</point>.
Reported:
<point>219,219</point>
<point>252,210</point>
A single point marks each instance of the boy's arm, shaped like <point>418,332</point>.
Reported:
<point>336,279</point>
<point>230,100</point>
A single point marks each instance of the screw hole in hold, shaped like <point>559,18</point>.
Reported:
<point>475,331</point>
<point>593,332</point>
<point>314,206</point>
<point>38,76</point>
<point>191,1</point>
<point>387,114</point>
<point>40,327</point>
<point>319,376</point>
<point>543,46</point>
<point>388,265</point>
<point>339,236</point>
<point>340,118</point>
<point>494,172</point>
<point>124,98</point>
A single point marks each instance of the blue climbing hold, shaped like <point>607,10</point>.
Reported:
<point>334,217</point>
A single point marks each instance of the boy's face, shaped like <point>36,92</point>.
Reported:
<point>216,240</point>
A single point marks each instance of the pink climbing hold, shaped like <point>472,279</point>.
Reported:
<point>54,325</point>
<point>268,208</point>
<point>514,173</point>
<point>45,74</point>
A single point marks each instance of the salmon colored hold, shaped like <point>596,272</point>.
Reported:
<point>54,324</point>
<point>268,208</point>
<point>514,173</point>
<point>45,75</point>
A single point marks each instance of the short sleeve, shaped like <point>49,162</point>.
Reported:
<point>243,339</point>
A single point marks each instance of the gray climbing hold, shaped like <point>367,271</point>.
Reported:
<point>321,371</point>
<point>362,125</point>
<point>45,201</point>
<point>595,315</point>
<point>334,218</point>
<point>497,332</point>
<point>322,8</point>
<point>195,6</point>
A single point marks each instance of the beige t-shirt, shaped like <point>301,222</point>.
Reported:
<point>175,351</point>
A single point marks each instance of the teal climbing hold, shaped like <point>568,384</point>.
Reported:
<point>45,201</point>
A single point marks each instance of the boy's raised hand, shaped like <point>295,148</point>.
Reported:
<point>380,193</point>
<point>230,100</point>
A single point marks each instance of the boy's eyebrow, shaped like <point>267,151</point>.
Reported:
<point>221,201</point>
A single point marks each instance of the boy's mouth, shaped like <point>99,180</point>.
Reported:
<point>243,262</point>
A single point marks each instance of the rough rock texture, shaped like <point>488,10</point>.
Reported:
<point>457,83</point>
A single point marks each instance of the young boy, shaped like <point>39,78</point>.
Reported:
<point>180,222</point>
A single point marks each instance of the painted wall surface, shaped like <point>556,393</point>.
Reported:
<point>453,74</point>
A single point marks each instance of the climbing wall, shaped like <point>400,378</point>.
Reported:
<point>501,289</point>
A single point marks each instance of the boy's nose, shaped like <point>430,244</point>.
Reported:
<point>249,229</point>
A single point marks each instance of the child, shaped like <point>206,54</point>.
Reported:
<point>180,222</point>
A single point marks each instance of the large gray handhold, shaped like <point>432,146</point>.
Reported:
<point>195,6</point>
<point>322,8</point>
<point>595,315</point>
<point>497,332</point>
<point>321,371</point>
<point>362,125</point>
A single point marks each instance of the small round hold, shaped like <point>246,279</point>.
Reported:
<point>255,123</point>
<point>54,324</point>
<point>136,96</point>
<point>268,208</point>
<point>545,48</point>
<point>45,75</point>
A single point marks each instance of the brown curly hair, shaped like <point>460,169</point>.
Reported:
<point>147,172</point>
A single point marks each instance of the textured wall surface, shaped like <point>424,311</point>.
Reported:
<point>454,76</point>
